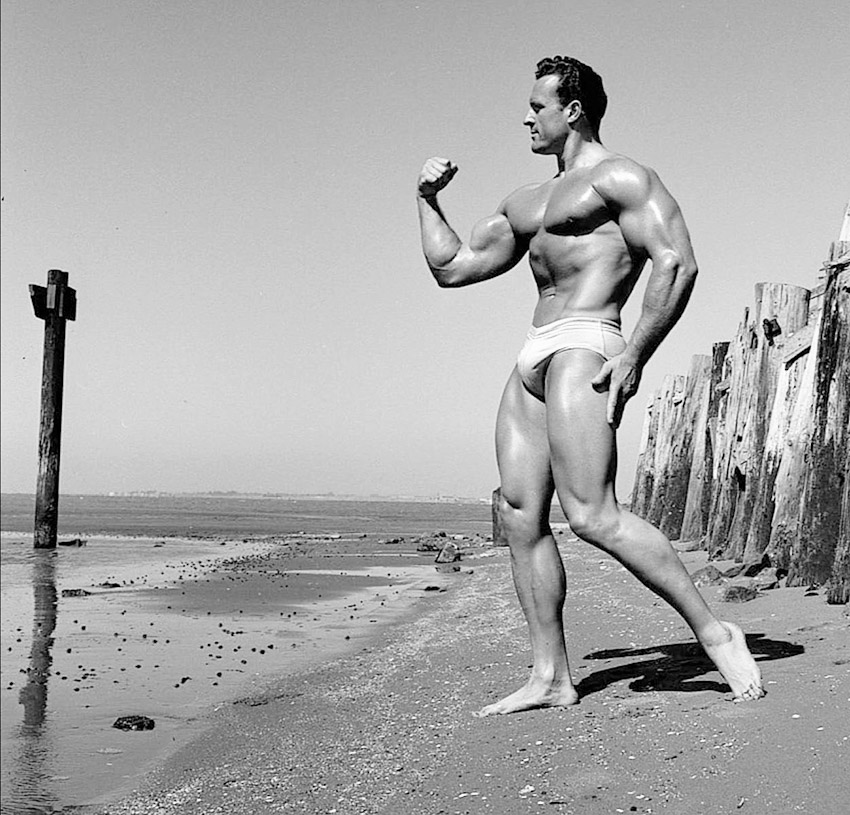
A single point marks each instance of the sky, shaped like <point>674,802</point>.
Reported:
<point>231,188</point>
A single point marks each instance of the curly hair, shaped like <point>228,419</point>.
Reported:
<point>576,81</point>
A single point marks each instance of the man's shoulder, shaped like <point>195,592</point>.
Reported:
<point>624,184</point>
<point>620,179</point>
<point>525,192</point>
<point>527,199</point>
<point>522,201</point>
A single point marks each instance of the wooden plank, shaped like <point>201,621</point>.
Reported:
<point>38,295</point>
<point>797,344</point>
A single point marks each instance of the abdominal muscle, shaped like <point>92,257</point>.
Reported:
<point>582,266</point>
<point>598,288</point>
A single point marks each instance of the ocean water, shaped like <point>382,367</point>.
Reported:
<point>195,516</point>
<point>64,680</point>
<point>73,664</point>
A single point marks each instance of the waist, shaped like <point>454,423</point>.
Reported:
<point>556,326</point>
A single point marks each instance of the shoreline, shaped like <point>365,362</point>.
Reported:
<point>175,640</point>
<point>389,729</point>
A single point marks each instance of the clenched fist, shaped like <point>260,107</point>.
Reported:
<point>435,174</point>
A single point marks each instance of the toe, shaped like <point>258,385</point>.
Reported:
<point>750,693</point>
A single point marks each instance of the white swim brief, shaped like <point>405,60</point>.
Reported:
<point>604,337</point>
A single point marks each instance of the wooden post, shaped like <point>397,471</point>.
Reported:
<point>781,310</point>
<point>670,481</point>
<point>838,587</point>
<point>694,522</point>
<point>645,468</point>
<point>499,536</point>
<point>755,358</point>
<point>717,390</point>
<point>828,457</point>
<point>775,437</point>
<point>726,407</point>
<point>54,304</point>
<point>789,489</point>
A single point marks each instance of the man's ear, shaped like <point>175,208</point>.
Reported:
<point>574,111</point>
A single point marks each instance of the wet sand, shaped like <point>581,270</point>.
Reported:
<point>387,727</point>
<point>177,629</point>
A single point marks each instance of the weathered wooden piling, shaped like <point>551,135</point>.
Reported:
<point>644,485</point>
<point>822,555</point>
<point>667,465</point>
<point>54,304</point>
<point>767,449</point>
<point>500,538</point>
<point>698,505</point>
<point>753,370</point>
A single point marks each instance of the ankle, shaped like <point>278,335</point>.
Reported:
<point>714,634</point>
<point>551,675</point>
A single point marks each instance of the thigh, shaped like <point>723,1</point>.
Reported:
<point>522,450</point>
<point>582,445</point>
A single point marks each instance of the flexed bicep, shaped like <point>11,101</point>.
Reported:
<point>492,249</point>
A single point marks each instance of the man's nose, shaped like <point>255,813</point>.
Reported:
<point>529,119</point>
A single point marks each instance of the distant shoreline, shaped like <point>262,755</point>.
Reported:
<point>284,496</point>
<point>243,516</point>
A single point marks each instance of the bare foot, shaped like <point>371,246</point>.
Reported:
<point>735,662</point>
<point>534,694</point>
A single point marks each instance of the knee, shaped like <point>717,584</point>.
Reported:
<point>594,524</point>
<point>520,523</point>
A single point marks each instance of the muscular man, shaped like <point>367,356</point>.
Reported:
<point>588,232</point>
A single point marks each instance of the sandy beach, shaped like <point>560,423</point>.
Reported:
<point>171,629</point>
<point>385,724</point>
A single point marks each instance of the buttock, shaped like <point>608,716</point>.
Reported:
<point>603,337</point>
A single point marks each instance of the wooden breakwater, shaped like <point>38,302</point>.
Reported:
<point>749,452</point>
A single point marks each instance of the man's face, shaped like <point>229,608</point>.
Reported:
<point>546,118</point>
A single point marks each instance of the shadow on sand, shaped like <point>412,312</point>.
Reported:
<point>675,667</point>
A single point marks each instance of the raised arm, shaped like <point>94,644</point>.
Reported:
<point>492,248</point>
<point>653,227</point>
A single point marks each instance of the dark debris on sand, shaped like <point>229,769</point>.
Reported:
<point>389,730</point>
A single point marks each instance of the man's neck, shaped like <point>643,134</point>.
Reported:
<point>581,149</point>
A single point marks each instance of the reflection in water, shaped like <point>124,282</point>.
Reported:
<point>34,766</point>
<point>34,694</point>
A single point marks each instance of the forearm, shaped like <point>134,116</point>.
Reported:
<point>440,242</point>
<point>492,248</point>
<point>667,292</point>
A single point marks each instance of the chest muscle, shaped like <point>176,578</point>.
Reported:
<point>574,209</point>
